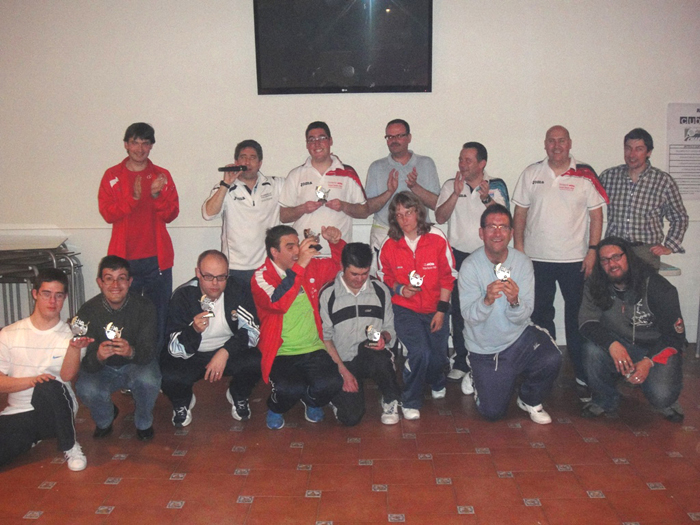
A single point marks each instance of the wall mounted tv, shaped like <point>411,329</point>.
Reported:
<point>343,46</point>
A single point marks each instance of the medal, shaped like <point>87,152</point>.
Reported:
<point>415,279</point>
<point>502,272</point>
<point>78,327</point>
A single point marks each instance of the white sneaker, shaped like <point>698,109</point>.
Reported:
<point>182,416</point>
<point>75,458</point>
<point>438,394</point>
<point>410,413</point>
<point>467,384</point>
<point>390,414</point>
<point>537,414</point>
<point>455,374</point>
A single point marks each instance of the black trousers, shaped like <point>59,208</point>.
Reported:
<point>180,375</point>
<point>312,377</point>
<point>52,417</point>
<point>377,365</point>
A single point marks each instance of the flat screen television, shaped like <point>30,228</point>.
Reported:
<point>343,46</point>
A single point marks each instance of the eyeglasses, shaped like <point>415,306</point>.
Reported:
<point>314,140</point>
<point>108,279</point>
<point>218,278</point>
<point>399,136</point>
<point>46,295</point>
<point>408,213</point>
<point>613,258</point>
<point>497,227</point>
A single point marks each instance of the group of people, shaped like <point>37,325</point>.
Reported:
<point>297,306</point>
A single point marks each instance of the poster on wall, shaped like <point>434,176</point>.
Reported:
<point>683,137</point>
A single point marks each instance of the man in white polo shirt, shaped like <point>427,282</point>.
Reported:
<point>558,222</point>
<point>248,203</point>
<point>322,191</point>
<point>461,202</point>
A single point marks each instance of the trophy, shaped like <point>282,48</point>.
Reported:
<point>112,331</point>
<point>78,327</point>
<point>415,279</point>
<point>502,272</point>
<point>373,335</point>
<point>207,306</point>
<point>322,193</point>
<point>234,315</point>
<point>308,232</point>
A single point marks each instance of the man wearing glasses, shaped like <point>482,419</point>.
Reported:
<point>212,333</point>
<point>123,353</point>
<point>322,191</point>
<point>401,170</point>
<point>497,295</point>
<point>632,320</point>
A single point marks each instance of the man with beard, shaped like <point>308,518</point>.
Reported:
<point>632,319</point>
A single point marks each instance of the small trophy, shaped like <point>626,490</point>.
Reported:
<point>112,331</point>
<point>308,232</point>
<point>207,306</point>
<point>502,272</point>
<point>373,334</point>
<point>322,193</point>
<point>415,279</point>
<point>78,327</point>
<point>234,315</point>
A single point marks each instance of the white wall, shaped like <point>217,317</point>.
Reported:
<point>76,73</point>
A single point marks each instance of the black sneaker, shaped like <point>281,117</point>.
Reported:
<point>100,433</point>
<point>146,434</point>
<point>592,410</point>
<point>240,409</point>
<point>674,413</point>
<point>182,416</point>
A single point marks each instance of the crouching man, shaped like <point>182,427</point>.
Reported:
<point>285,289</point>
<point>211,334</point>
<point>496,292</point>
<point>38,359</point>
<point>632,320</point>
<point>358,326</point>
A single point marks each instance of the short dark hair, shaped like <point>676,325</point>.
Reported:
<point>640,134</point>
<point>317,124</point>
<point>50,275</point>
<point>402,122</point>
<point>113,262</point>
<point>250,143</point>
<point>496,209</point>
<point>357,254</point>
<point>481,153</point>
<point>407,199</point>
<point>140,130</point>
<point>274,235</point>
<point>214,253</point>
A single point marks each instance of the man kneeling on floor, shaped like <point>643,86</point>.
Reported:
<point>38,359</point>
<point>211,334</point>
<point>285,290</point>
<point>496,292</point>
<point>123,353</point>
<point>358,324</point>
<point>632,319</point>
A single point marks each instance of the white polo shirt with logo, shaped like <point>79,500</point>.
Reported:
<point>557,223</point>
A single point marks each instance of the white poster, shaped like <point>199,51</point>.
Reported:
<point>683,136</point>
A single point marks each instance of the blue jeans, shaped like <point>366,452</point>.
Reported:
<point>95,390</point>
<point>570,279</point>
<point>155,284</point>
<point>534,355</point>
<point>661,388</point>
<point>427,353</point>
<point>460,359</point>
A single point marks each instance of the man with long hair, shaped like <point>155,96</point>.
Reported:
<point>632,320</point>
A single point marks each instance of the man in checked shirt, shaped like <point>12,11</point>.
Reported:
<point>640,197</point>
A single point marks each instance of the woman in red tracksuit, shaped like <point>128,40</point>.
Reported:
<point>421,313</point>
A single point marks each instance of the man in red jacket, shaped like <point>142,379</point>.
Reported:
<point>138,199</point>
<point>285,290</point>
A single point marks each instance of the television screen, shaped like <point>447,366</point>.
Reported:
<point>343,46</point>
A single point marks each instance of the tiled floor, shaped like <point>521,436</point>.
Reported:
<point>448,467</point>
